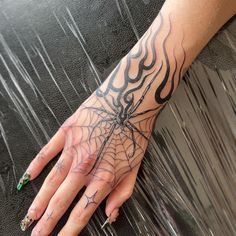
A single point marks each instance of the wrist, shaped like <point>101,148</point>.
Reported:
<point>145,79</point>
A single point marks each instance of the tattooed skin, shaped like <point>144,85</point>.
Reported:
<point>49,216</point>
<point>90,199</point>
<point>109,133</point>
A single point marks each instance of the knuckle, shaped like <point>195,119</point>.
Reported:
<point>52,179</point>
<point>104,176</point>
<point>107,176</point>
<point>84,218</point>
<point>35,212</point>
<point>81,218</point>
<point>41,156</point>
<point>84,166</point>
<point>35,232</point>
<point>44,148</point>
<point>59,202</point>
<point>56,201</point>
<point>67,123</point>
<point>127,194</point>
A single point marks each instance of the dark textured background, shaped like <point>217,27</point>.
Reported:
<point>54,53</point>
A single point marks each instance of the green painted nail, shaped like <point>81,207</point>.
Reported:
<point>23,180</point>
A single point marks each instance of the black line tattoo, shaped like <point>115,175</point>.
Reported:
<point>60,165</point>
<point>110,134</point>
<point>90,199</point>
<point>49,216</point>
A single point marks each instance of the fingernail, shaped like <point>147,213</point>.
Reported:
<point>114,215</point>
<point>106,222</point>
<point>23,180</point>
<point>26,222</point>
<point>112,220</point>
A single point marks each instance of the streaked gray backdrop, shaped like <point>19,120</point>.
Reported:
<point>54,53</point>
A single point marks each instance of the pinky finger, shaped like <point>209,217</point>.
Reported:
<point>47,153</point>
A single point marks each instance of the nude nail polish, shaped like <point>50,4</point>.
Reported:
<point>106,222</point>
<point>23,180</point>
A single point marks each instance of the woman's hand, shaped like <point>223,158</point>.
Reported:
<point>105,140</point>
<point>102,149</point>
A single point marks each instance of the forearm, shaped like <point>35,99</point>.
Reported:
<point>104,141</point>
<point>147,76</point>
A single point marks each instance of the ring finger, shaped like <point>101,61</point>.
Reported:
<point>84,209</point>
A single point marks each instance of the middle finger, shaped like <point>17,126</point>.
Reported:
<point>59,203</point>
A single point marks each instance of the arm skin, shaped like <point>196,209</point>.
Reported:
<point>104,141</point>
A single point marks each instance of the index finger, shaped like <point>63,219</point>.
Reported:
<point>47,153</point>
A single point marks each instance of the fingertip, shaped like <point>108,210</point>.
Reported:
<point>46,154</point>
<point>113,203</point>
<point>109,206</point>
<point>23,180</point>
<point>113,216</point>
<point>29,218</point>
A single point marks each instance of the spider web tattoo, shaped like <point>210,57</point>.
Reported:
<point>110,135</point>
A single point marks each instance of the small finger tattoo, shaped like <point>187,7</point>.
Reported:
<point>60,165</point>
<point>90,199</point>
<point>49,216</point>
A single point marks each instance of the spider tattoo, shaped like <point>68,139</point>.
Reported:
<point>109,136</point>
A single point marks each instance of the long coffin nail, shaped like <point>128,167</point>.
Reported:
<point>26,222</point>
<point>23,180</point>
<point>106,222</point>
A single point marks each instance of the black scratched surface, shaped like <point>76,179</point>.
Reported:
<point>53,54</point>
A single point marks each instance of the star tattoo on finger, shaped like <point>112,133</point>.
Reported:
<point>49,216</point>
<point>90,199</point>
<point>60,165</point>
